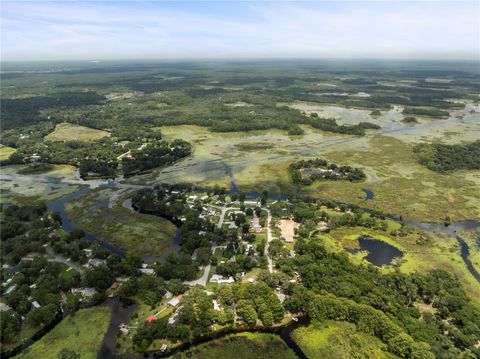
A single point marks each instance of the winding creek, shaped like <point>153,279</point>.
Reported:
<point>122,312</point>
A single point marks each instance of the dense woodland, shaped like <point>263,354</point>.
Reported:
<point>445,158</point>
<point>384,305</point>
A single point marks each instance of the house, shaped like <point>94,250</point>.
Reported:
<point>281,297</point>
<point>113,289</point>
<point>124,329</point>
<point>86,292</point>
<point>173,318</point>
<point>256,224</point>
<point>251,280</point>
<point>163,347</point>
<point>35,157</point>
<point>146,270</point>
<point>4,307</point>
<point>151,318</point>
<point>36,304</point>
<point>95,262</point>
<point>322,226</point>
<point>168,295</point>
<point>217,278</point>
<point>88,252</point>
<point>10,289</point>
<point>114,286</point>
<point>175,301</point>
<point>216,306</point>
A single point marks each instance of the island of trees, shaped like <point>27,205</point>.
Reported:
<point>305,172</point>
<point>443,158</point>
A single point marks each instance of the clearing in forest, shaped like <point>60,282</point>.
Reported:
<point>69,132</point>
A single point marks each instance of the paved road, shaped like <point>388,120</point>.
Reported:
<point>223,211</point>
<point>60,259</point>
<point>269,239</point>
<point>206,271</point>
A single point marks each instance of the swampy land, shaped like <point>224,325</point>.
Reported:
<point>148,205</point>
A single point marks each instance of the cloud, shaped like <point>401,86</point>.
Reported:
<point>75,30</point>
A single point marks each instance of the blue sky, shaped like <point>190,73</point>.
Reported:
<point>62,30</point>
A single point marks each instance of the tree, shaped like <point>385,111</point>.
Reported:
<point>204,254</point>
<point>176,287</point>
<point>101,278</point>
<point>42,315</point>
<point>247,312</point>
<point>264,198</point>
<point>224,294</point>
<point>10,326</point>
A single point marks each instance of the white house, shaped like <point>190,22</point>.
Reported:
<point>217,278</point>
<point>36,304</point>
<point>175,301</point>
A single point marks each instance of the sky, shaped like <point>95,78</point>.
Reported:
<point>95,30</point>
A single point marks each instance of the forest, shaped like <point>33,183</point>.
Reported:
<point>444,158</point>
<point>383,304</point>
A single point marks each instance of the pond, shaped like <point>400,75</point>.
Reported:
<point>368,193</point>
<point>379,252</point>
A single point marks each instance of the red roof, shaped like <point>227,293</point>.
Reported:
<point>151,318</point>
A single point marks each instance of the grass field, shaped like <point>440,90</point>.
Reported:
<point>82,333</point>
<point>437,253</point>
<point>101,213</point>
<point>242,346</point>
<point>332,340</point>
<point>5,152</point>
<point>69,132</point>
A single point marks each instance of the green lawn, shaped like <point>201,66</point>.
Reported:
<point>332,340</point>
<point>70,132</point>
<point>242,346</point>
<point>5,152</point>
<point>82,333</point>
